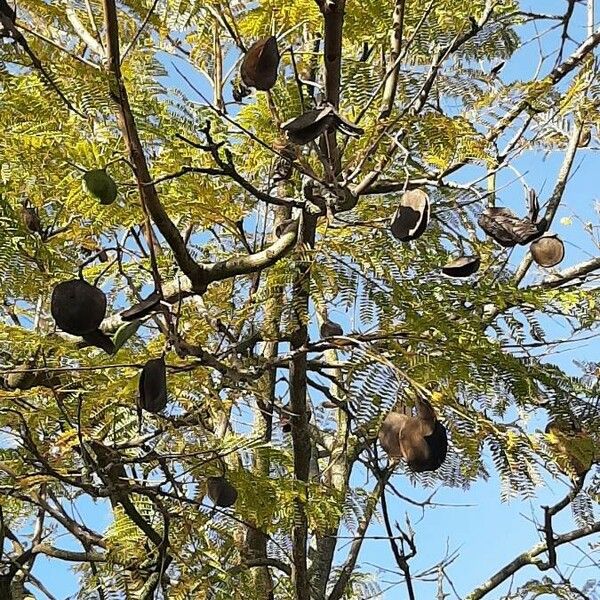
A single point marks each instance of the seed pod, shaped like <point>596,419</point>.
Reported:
<point>21,381</point>
<point>100,185</point>
<point>330,329</point>
<point>259,67</point>
<point>221,492</point>
<point>585,137</point>
<point>77,307</point>
<point>421,440</point>
<point>463,266</point>
<point>285,227</point>
<point>153,386</point>
<point>309,125</point>
<point>31,219</point>
<point>412,216</point>
<point>142,309</point>
<point>100,340</point>
<point>547,251</point>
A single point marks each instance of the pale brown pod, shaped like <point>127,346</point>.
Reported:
<point>547,251</point>
<point>259,67</point>
<point>411,217</point>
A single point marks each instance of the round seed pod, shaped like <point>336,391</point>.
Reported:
<point>330,329</point>
<point>463,266</point>
<point>259,67</point>
<point>221,492</point>
<point>100,185</point>
<point>77,307</point>
<point>547,251</point>
<point>153,385</point>
<point>412,216</point>
<point>142,309</point>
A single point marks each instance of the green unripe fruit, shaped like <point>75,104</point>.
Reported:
<point>101,185</point>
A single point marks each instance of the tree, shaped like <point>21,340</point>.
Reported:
<point>245,244</point>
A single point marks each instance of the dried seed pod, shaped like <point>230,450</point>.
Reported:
<point>221,492</point>
<point>585,137</point>
<point>24,380</point>
<point>547,251</point>
<point>420,440</point>
<point>463,266</point>
<point>143,308</point>
<point>285,227</point>
<point>31,219</point>
<point>100,185</point>
<point>330,329</point>
<point>259,67</point>
<point>77,307</point>
<point>502,225</point>
<point>100,340</point>
<point>7,11</point>
<point>309,125</point>
<point>153,386</point>
<point>412,216</point>
<point>575,448</point>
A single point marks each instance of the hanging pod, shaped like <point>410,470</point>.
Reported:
<point>575,448</point>
<point>153,385</point>
<point>547,251</point>
<point>311,124</point>
<point>259,67</point>
<point>463,266</point>
<point>412,216</point>
<point>100,185</point>
<point>143,308</point>
<point>221,492</point>
<point>77,307</point>
<point>421,440</point>
<point>502,225</point>
<point>330,329</point>
<point>100,340</point>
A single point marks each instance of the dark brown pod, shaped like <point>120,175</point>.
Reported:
<point>420,440</point>
<point>31,219</point>
<point>285,227</point>
<point>412,216</point>
<point>330,329</point>
<point>153,386</point>
<point>100,340</point>
<point>142,309</point>
<point>77,306</point>
<point>547,251</point>
<point>259,67</point>
<point>463,266</point>
<point>309,125</point>
<point>221,492</point>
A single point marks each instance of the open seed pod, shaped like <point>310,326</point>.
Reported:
<point>463,266</point>
<point>330,329</point>
<point>259,67</point>
<point>575,449</point>
<point>153,385</point>
<point>547,251</point>
<point>100,340</point>
<point>77,307</point>
<point>100,185</point>
<point>309,125</point>
<point>221,492</point>
<point>412,216</point>
<point>142,309</point>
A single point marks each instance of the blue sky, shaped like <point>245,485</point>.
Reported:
<point>487,533</point>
